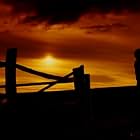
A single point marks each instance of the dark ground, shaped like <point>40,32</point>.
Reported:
<point>106,113</point>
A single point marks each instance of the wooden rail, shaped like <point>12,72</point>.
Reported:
<point>81,80</point>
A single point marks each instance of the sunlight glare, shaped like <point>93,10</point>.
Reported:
<point>49,60</point>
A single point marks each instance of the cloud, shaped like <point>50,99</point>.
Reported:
<point>27,48</point>
<point>102,79</point>
<point>104,27</point>
<point>108,55</point>
<point>62,11</point>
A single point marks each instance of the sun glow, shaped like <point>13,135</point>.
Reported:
<point>50,60</point>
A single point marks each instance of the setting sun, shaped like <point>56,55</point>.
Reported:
<point>50,60</point>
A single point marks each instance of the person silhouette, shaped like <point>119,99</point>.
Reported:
<point>137,66</point>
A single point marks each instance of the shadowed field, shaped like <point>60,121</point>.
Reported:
<point>107,112</point>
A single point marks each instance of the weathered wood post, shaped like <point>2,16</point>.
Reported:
<point>88,98</point>
<point>82,88</point>
<point>81,81</point>
<point>87,82</point>
<point>10,72</point>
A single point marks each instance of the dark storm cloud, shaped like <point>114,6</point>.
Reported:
<point>27,48</point>
<point>64,11</point>
<point>104,27</point>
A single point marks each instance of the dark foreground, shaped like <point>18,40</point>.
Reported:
<point>108,113</point>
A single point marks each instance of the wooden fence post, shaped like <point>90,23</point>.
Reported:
<point>87,82</point>
<point>10,72</point>
<point>79,79</point>
<point>88,99</point>
<point>82,87</point>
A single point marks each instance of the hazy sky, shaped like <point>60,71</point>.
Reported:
<point>101,34</point>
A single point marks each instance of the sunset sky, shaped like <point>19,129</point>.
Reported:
<point>54,36</point>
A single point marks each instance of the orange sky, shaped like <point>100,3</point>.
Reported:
<point>103,43</point>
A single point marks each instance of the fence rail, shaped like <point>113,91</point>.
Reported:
<point>81,81</point>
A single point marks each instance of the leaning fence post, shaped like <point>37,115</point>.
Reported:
<point>10,72</point>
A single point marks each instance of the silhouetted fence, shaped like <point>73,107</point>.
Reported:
<point>80,79</point>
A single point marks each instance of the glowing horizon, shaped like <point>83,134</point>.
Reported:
<point>103,41</point>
